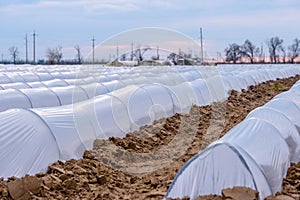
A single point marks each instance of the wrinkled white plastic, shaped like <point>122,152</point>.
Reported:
<point>97,80</point>
<point>121,101</point>
<point>12,98</point>
<point>268,137</point>
<point>219,166</point>
<point>288,108</point>
<point>263,142</point>
<point>27,144</point>
<point>285,127</point>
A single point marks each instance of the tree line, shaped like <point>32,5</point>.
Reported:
<point>53,55</point>
<point>234,53</point>
<point>248,52</point>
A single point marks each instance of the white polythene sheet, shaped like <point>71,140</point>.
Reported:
<point>30,77</point>
<point>94,89</point>
<point>248,78</point>
<point>285,127</point>
<point>36,84</point>
<point>201,91</point>
<point>216,89</point>
<point>70,94</point>
<point>219,166</point>
<point>113,85</point>
<point>44,76</point>
<point>41,97</point>
<point>291,95</point>
<point>17,85</point>
<point>138,104</point>
<point>63,124</point>
<point>12,98</point>
<point>55,83</point>
<point>15,77</point>
<point>4,79</point>
<point>163,105</point>
<point>183,96</point>
<point>288,108</point>
<point>263,142</point>
<point>27,146</point>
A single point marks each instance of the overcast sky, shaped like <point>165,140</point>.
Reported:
<point>74,22</point>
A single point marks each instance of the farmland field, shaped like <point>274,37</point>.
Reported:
<point>124,133</point>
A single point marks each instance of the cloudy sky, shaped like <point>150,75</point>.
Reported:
<point>74,22</point>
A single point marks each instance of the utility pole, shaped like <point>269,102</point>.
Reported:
<point>157,52</point>
<point>93,45</point>
<point>132,51</point>
<point>201,43</point>
<point>219,57</point>
<point>262,56</point>
<point>34,35</point>
<point>117,51</point>
<point>26,44</point>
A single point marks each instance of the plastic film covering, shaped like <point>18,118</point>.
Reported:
<point>285,127</point>
<point>269,137</point>
<point>125,108</point>
<point>41,97</point>
<point>288,108</point>
<point>70,94</point>
<point>12,98</point>
<point>291,95</point>
<point>27,145</point>
<point>267,148</point>
<point>55,83</point>
<point>211,170</point>
<point>18,85</point>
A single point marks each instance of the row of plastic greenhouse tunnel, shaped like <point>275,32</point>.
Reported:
<point>59,117</point>
<point>55,86</point>
<point>256,153</point>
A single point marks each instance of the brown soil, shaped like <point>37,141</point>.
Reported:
<point>291,184</point>
<point>100,175</point>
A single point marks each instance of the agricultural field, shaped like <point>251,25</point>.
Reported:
<point>149,132</point>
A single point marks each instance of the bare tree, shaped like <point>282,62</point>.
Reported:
<point>275,45</point>
<point>50,54</point>
<point>59,54</point>
<point>249,50</point>
<point>294,50</point>
<point>139,53</point>
<point>78,54</point>
<point>282,49</point>
<point>154,58</point>
<point>14,52</point>
<point>123,57</point>
<point>173,57</point>
<point>54,55</point>
<point>233,53</point>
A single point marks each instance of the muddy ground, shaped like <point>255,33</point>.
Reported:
<point>115,169</point>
